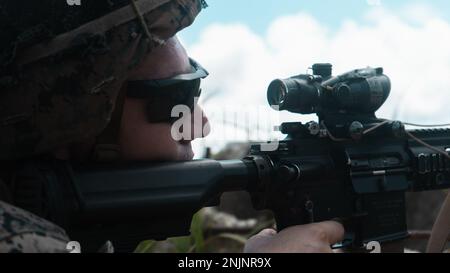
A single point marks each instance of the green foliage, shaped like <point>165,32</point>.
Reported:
<point>197,234</point>
<point>200,242</point>
<point>145,247</point>
<point>188,244</point>
<point>182,244</point>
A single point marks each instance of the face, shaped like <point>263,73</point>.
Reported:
<point>141,140</point>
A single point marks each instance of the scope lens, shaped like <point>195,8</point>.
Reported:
<point>297,94</point>
<point>276,94</point>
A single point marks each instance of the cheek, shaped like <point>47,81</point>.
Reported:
<point>140,140</point>
<point>149,142</point>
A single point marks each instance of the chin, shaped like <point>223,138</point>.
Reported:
<point>175,151</point>
<point>185,152</point>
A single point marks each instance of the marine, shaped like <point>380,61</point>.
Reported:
<point>74,88</point>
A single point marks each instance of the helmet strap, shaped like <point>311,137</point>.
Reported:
<point>107,148</point>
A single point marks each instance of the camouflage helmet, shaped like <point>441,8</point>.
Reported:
<point>62,65</point>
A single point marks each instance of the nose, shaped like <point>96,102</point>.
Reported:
<point>200,126</point>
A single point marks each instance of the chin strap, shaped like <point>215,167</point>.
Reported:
<point>441,229</point>
<point>107,148</point>
<point>5,193</point>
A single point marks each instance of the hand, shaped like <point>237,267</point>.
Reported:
<point>311,238</point>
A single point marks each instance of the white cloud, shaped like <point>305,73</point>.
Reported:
<point>420,12</point>
<point>413,46</point>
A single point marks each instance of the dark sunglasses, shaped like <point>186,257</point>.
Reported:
<point>163,95</point>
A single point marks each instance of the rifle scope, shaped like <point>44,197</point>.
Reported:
<point>360,91</point>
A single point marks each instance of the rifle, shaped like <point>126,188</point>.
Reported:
<point>350,166</point>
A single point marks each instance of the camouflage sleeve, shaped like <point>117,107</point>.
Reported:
<point>22,231</point>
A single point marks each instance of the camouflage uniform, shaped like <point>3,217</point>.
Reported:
<point>22,231</point>
<point>56,91</point>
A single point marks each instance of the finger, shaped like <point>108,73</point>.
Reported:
<point>333,230</point>
<point>256,243</point>
<point>267,232</point>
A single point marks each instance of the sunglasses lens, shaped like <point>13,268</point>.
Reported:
<point>162,102</point>
<point>163,95</point>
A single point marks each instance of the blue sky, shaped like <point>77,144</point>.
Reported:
<point>257,14</point>
<point>245,44</point>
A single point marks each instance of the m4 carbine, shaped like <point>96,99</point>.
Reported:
<point>350,166</point>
